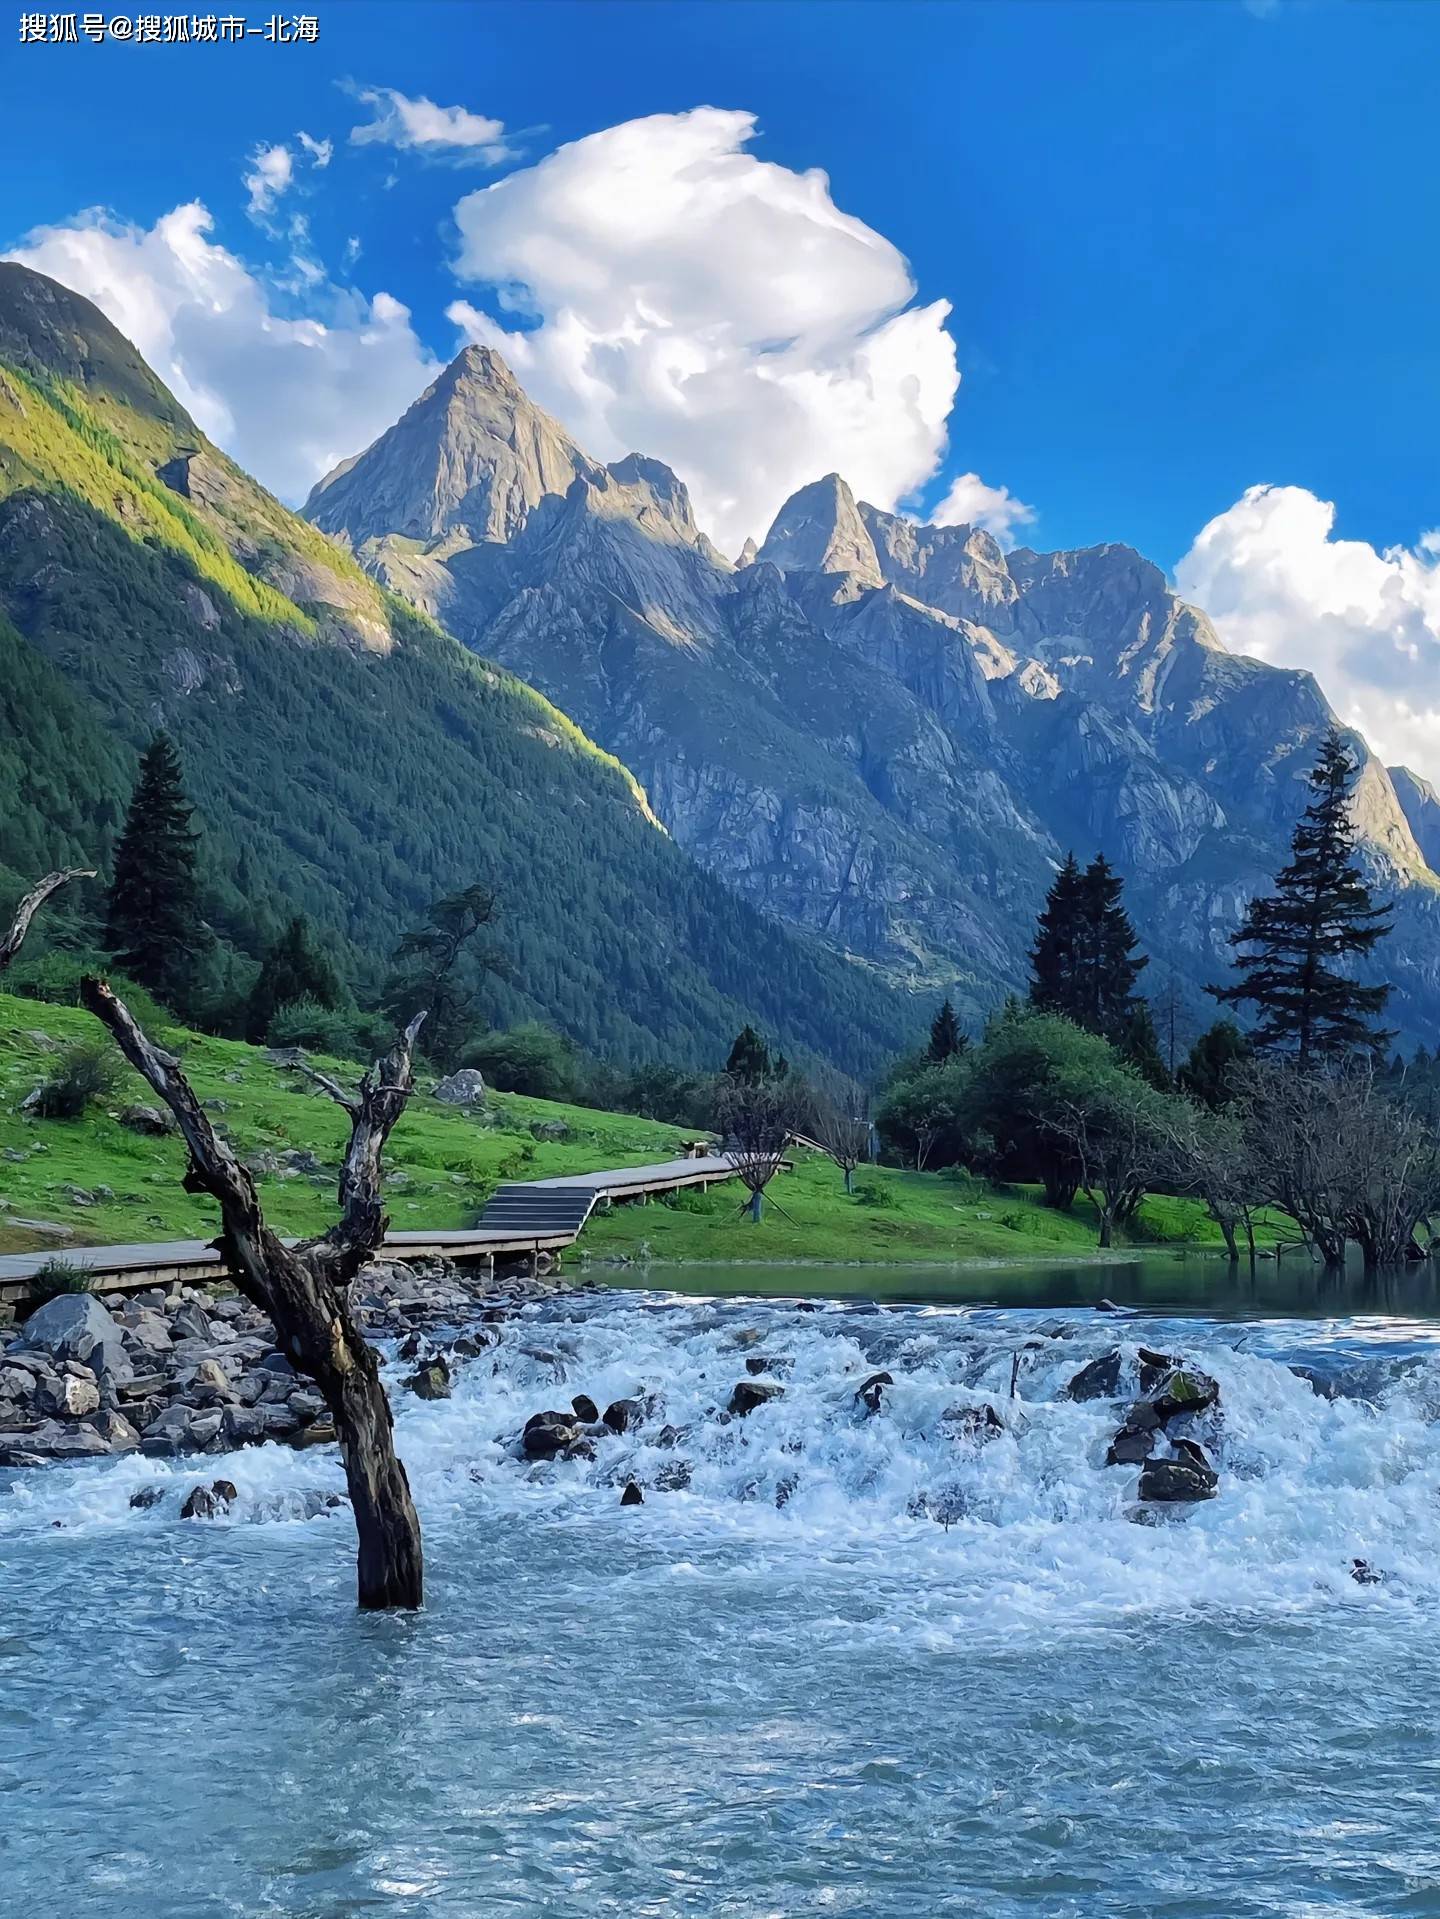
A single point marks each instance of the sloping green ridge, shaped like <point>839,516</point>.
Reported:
<point>345,780</point>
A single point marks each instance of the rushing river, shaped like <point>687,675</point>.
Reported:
<point>856,1666</point>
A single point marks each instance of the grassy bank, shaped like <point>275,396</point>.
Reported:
<point>894,1216</point>
<point>100,1181</point>
<point>441,1166</point>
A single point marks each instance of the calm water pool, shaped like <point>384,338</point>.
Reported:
<point>784,1690</point>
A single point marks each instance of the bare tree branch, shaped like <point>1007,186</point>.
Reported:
<point>31,905</point>
<point>304,1288</point>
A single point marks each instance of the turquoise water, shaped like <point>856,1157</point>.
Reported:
<point>779,1691</point>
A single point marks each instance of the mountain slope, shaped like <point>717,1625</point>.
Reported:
<point>885,733</point>
<point>348,758</point>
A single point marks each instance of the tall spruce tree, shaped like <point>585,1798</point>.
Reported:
<point>749,1060</point>
<point>1084,963</point>
<point>293,969</point>
<point>437,967</point>
<point>946,1039</point>
<point>153,922</point>
<point>1320,918</point>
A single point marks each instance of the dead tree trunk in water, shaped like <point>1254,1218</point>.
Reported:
<point>30,906</point>
<point>305,1288</point>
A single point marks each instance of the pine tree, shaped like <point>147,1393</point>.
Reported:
<point>1054,958</point>
<point>1319,918</point>
<point>749,1060</point>
<point>1139,1046</point>
<point>153,925</point>
<point>1208,1074</point>
<point>294,969</point>
<point>1084,963</point>
<point>435,971</point>
<point>946,1039</point>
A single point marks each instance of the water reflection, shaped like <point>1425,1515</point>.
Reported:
<point>1185,1284</point>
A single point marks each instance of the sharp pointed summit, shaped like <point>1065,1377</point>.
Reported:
<point>474,452</point>
<point>819,530</point>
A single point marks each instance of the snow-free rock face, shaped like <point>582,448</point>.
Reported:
<point>472,453</point>
<point>885,732</point>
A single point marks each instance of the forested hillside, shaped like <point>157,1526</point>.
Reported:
<point>347,758</point>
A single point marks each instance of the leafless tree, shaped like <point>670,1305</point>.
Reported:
<point>305,1288</point>
<point>1346,1156</point>
<point>1117,1134</point>
<point>1212,1156</point>
<point>27,909</point>
<point>841,1129</point>
<point>757,1119</point>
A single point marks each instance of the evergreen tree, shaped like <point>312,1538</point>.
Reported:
<point>153,922</point>
<point>1319,918</point>
<point>294,969</point>
<point>749,1060</point>
<point>1208,1073</point>
<point>1084,963</point>
<point>1139,1046</point>
<point>1054,958</point>
<point>946,1039</point>
<point>435,971</point>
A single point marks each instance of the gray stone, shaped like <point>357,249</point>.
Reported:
<point>149,1120</point>
<point>117,1432</point>
<point>77,1326</point>
<point>431,1381</point>
<point>180,1429</point>
<point>191,1321</point>
<point>632,1495</point>
<point>69,1398</point>
<point>1099,1380</point>
<point>465,1088</point>
<point>750,1393</point>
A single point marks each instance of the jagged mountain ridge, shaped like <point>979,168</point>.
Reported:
<point>349,759</point>
<point>890,732</point>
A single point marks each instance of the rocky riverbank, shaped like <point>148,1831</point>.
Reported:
<point>185,1370</point>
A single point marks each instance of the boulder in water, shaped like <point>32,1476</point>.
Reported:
<point>870,1393</point>
<point>1190,1477</point>
<point>146,1497</point>
<point>208,1502</point>
<point>1364,1574</point>
<point>548,1434</point>
<point>621,1414</point>
<point>977,1423</point>
<point>586,1411</point>
<point>1186,1390</point>
<point>750,1393</point>
<point>432,1381</point>
<point>1100,1379</point>
<point>632,1495</point>
<point>1131,1446</point>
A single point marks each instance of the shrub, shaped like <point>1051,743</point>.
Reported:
<point>873,1192</point>
<point>83,1073</point>
<point>60,1275</point>
<point>342,1032</point>
<point>54,979</point>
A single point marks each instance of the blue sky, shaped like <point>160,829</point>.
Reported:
<point>1188,251</point>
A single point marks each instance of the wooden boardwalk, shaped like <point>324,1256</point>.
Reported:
<point>536,1216</point>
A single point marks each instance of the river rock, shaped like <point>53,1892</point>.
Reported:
<point>673,1477</point>
<point>180,1429</point>
<point>191,1321</point>
<point>77,1326</point>
<point>1100,1379</point>
<point>870,1393</point>
<point>209,1502</point>
<point>750,1393</point>
<point>149,1120</point>
<point>70,1398</point>
<point>145,1497</point>
<point>621,1414</point>
<point>586,1411</point>
<point>548,1434</point>
<point>117,1432</point>
<point>431,1381</point>
<point>1187,1478</point>
<point>465,1088</point>
<point>147,1336</point>
<point>1186,1390</point>
<point>632,1495</point>
<point>1131,1446</point>
<point>54,1441</point>
<point>978,1423</point>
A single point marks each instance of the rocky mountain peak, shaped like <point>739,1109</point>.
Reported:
<point>473,455</point>
<point>820,530</point>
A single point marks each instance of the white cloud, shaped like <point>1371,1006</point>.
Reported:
<point>1281,587</point>
<point>421,126</point>
<point>286,397</point>
<point>970,502</point>
<point>715,310</point>
<point>271,171</point>
<point>321,151</point>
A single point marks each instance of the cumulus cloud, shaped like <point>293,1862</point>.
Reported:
<point>677,296</point>
<point>421,126</point>
<point>288,398</point>
<point>321,151</point>
<point>271,171</point>
<point>1281,587</point>
<point>970,502</point>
